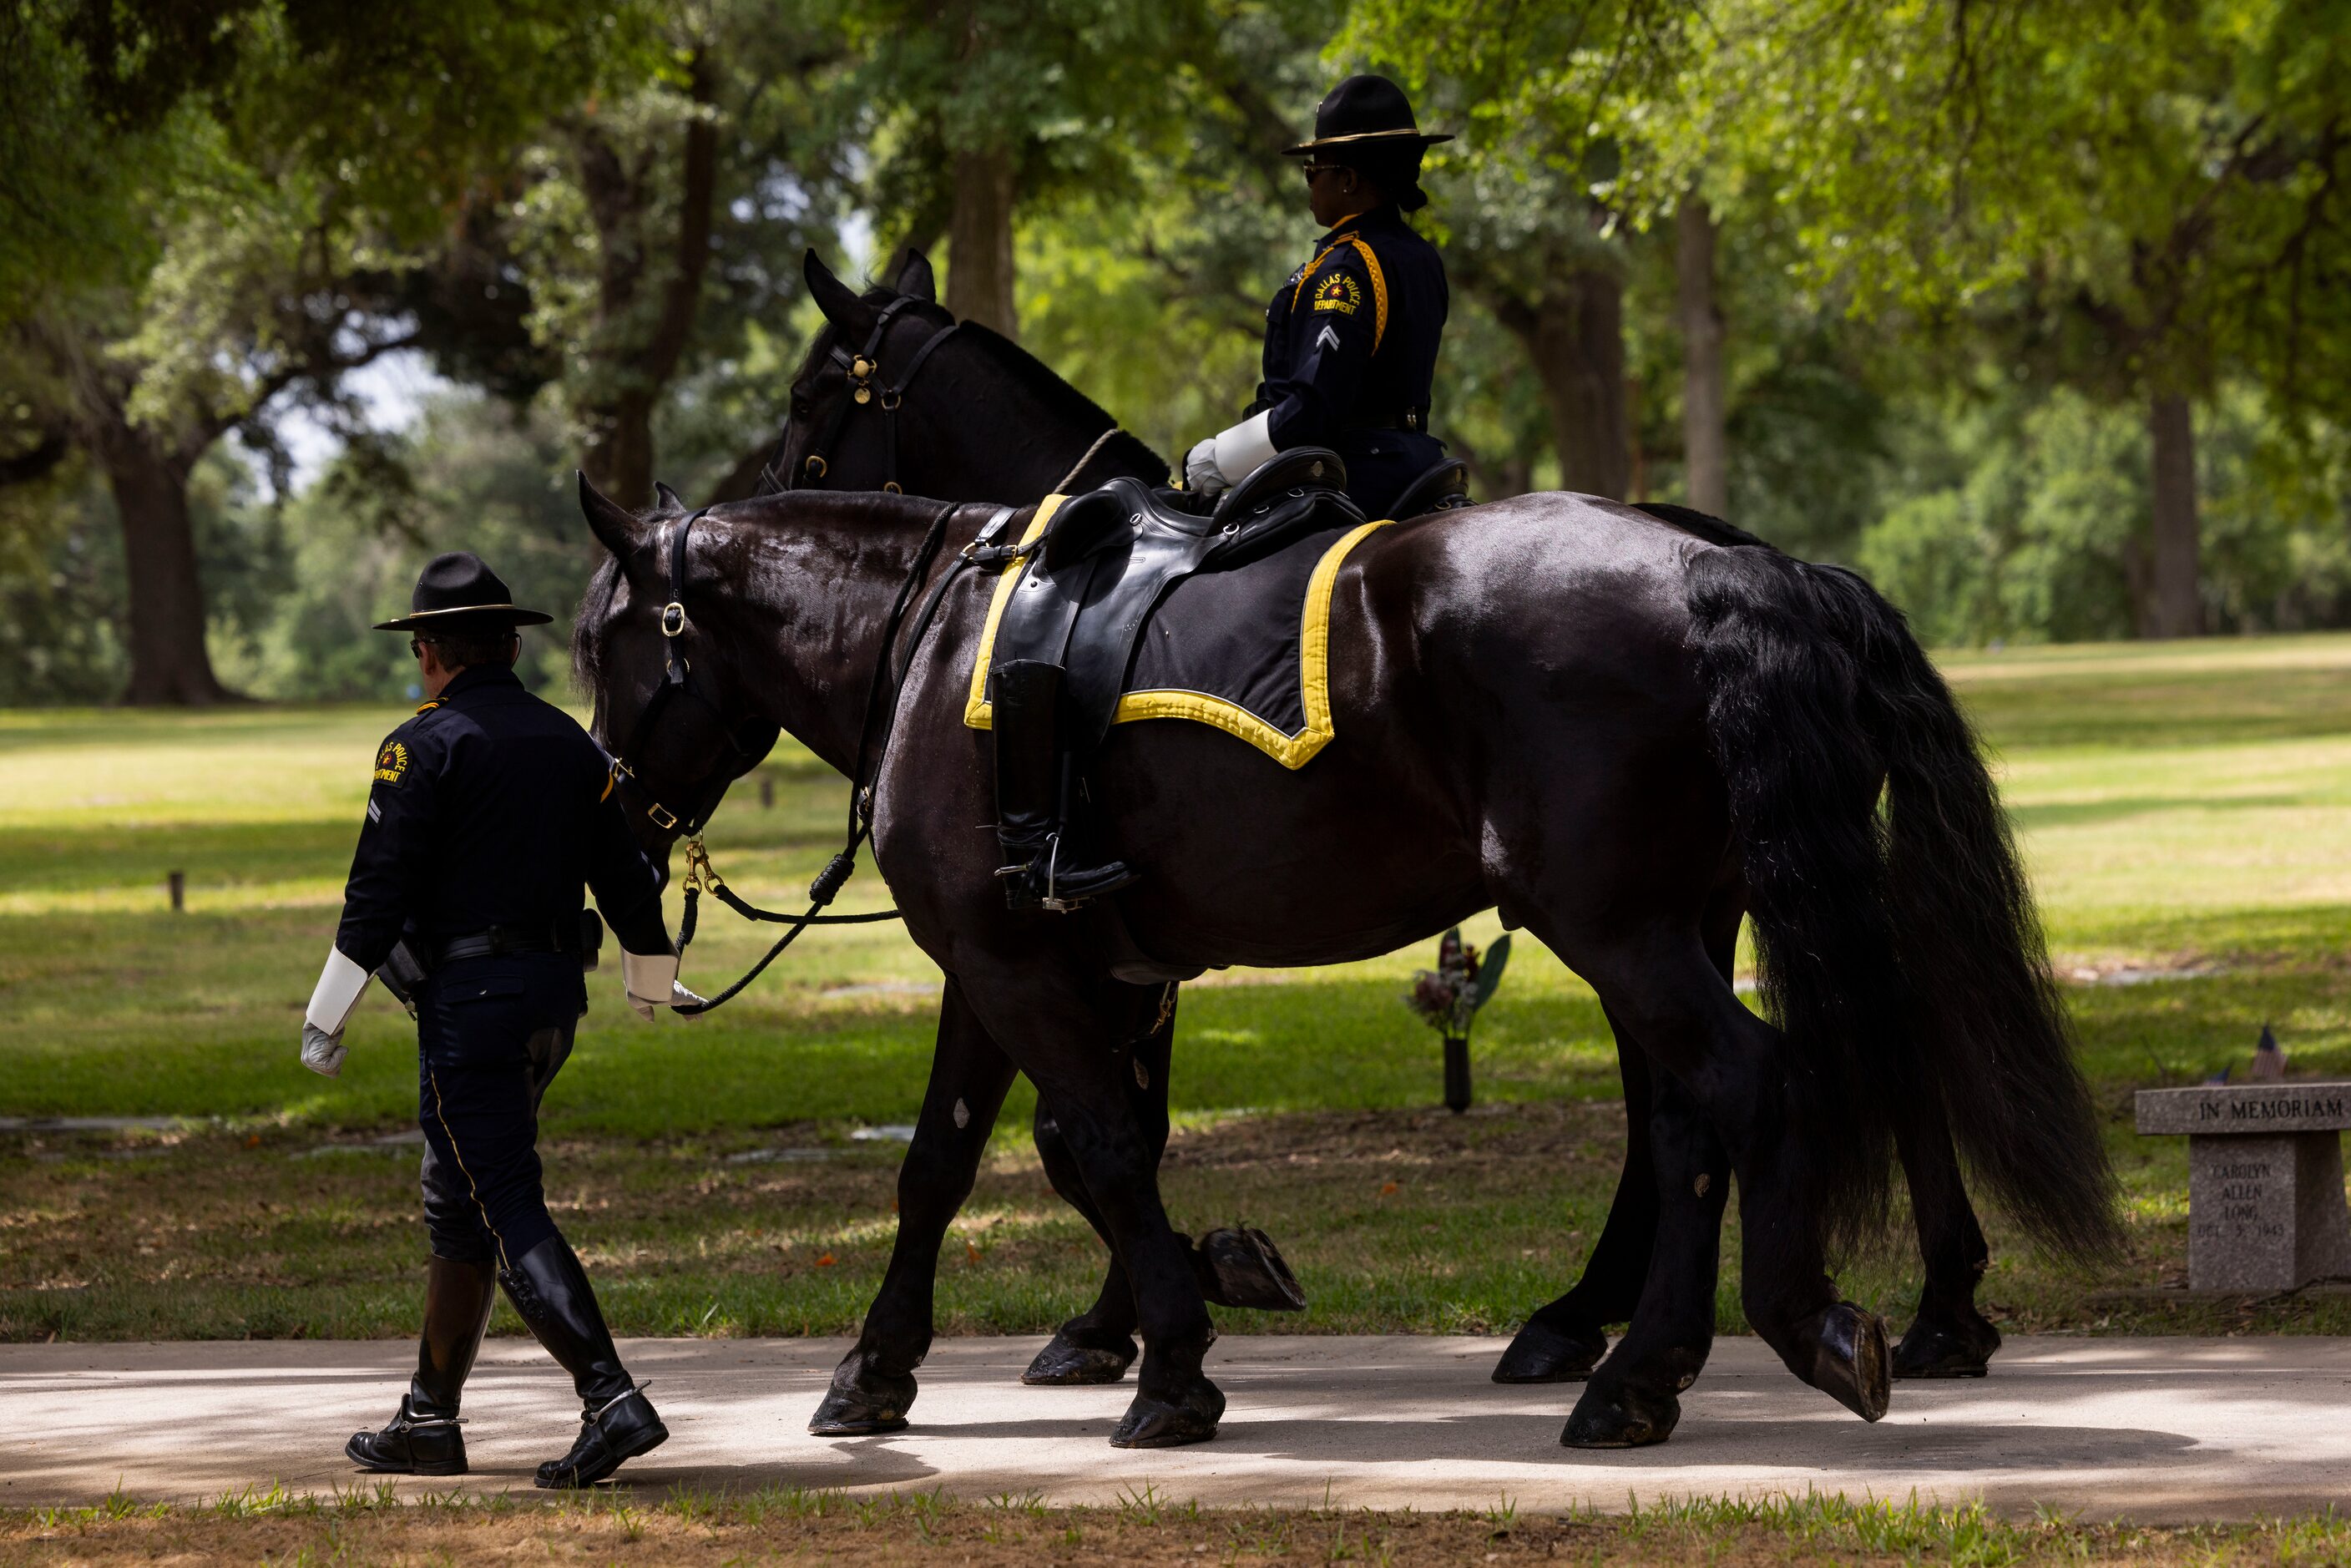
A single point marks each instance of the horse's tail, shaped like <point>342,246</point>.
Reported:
<point>1900,951</point>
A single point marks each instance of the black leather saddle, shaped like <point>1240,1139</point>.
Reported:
<point>1108,556</point>
<point>1440,489</point>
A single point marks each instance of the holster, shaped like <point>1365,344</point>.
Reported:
<point>404,974</point>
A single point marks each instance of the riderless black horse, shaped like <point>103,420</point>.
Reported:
<point>1623,734</point>
<point>928,367</point>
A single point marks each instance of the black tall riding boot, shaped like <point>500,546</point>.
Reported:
<point>1043,868</point>
<point>617,1422</point>
<point>424,1439</point>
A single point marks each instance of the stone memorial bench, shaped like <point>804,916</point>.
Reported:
<point>2265,1210</point>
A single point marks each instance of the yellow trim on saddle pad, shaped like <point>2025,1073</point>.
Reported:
<point>977,710</point>
<point>1313,666</point>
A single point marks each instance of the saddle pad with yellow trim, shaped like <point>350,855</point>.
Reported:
<point>1246,650</point>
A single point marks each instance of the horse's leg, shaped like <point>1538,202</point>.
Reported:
<point>1067,1020</point>
<point>1674,1319</point>
<point>1565,1339</point>
<point>1631,1399</point>
<point>875,1383</point>
<point>1949,1338</point>
<point>1672,1001</point>
<point>1098,1344</point>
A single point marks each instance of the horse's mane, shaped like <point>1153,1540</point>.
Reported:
<point>1061,401</point>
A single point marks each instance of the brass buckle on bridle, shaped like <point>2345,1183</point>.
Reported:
<point>673,618</point>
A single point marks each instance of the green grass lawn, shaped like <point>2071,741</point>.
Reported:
<point>2183,806</point>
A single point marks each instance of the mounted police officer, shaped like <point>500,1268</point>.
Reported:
<point>1350,338</point>
<point>489,810</point>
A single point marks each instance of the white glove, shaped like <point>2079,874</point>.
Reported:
<point>331,1005</point>
<point>322,1052</point>
<point>649,981</point>
<point>1201,475</point>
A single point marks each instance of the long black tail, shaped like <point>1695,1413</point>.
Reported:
<point>1900,950</point>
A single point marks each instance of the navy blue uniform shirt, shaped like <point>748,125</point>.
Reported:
<point>1351,345</point>
<point>491,808</point>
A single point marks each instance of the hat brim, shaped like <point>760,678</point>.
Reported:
<point>1366,137</point>
<point>488,614</point>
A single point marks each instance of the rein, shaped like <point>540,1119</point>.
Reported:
<point>887,686</point>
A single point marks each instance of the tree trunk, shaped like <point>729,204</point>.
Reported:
<point>618,455</point>
<point>979,240</point>
<point>1706,444</point>
<point>1575,335</point>
<point>2178,598</point>
<point>166,611</point>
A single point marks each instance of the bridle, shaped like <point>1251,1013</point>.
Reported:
<point>860,366</point>
<point>678,687</point>
<point>888,682</point>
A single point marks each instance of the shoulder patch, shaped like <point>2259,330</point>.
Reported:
<point>391,762</point>
<point>1339,292</point>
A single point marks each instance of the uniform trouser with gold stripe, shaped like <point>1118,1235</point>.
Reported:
<point>491,1035</point>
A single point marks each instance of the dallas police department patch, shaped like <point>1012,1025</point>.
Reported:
<point>390,763</point>
<point>1339,292</point>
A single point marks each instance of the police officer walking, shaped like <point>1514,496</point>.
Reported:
<point>489,810</point>
<point>1350,338</point>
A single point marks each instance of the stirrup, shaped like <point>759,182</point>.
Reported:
<point>1108,878</point>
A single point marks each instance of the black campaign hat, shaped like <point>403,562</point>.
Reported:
<point>1367,112</point>
<point>458,592</point>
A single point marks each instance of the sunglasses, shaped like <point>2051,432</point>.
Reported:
<point>1310,170</point>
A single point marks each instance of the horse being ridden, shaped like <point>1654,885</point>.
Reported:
<point>1037,434</point>
<point>1620,734</point>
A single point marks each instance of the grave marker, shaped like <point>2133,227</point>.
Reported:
<point>2265,1210</point>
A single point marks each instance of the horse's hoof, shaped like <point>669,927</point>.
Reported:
<point>1241,1267</point>
<point>862,1402</point>
<point>1851,1363</point>
<point>1625,1418</point>
<point>1541,1353</point>
<point>1946,1349</point>
<point>1154,1423</point>
<point>1067,1364</point>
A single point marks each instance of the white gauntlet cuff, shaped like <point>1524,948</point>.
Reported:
<point>647,977</point>
<point>338,993</point>
<point>1246,448</point>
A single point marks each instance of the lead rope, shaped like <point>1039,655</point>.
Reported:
<point>700,873</point>
<point>1080,466</point>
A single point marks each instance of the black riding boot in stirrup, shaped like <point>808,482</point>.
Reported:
<point>424,1439</point>
<point>1042,868</point>
<point>617,1422</point>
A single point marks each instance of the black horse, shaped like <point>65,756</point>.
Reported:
<point>1623,736</point>
<point>1040,434</point>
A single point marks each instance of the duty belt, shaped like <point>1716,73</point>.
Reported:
<point>1412,418</point>
<point>499,941</point>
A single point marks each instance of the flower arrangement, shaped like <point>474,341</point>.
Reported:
<point>1449,997</point>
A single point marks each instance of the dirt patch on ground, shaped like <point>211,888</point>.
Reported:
<point>618,1528</point>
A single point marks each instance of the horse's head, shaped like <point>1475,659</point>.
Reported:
<point>844,399</point>
<point>647,650</point>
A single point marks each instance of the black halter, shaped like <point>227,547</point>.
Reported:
<point>749,750</point>
<point>861,368</point>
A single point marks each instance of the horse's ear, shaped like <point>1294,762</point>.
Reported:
<point>915,277</point>
<point>667,497</point>
<point>611,524</point>
<point>835,298</point>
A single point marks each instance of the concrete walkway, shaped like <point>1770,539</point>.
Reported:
<point>2153,1430</point>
